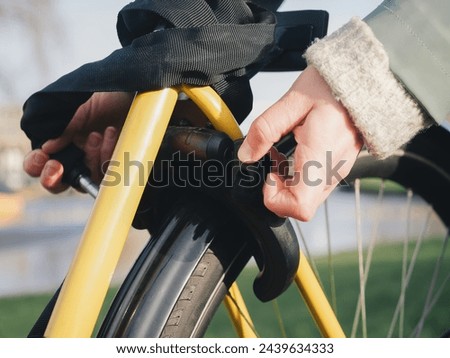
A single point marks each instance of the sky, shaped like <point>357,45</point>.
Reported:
<point>86,32</point>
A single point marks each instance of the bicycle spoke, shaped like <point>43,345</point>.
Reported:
<point>373,239</point>
<point>439,291</point>
<point>401,325</point>
<point>410,270</point>
<point>243,314</point>
<point>362,297</point>
<point>317,301</point>
<point>276,308</point>
<point>307,253</point>
<point>430,299</point>
<point>331,276</point>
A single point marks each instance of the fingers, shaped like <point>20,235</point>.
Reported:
<point>277,198</point>
<point>50,172</point>
<point>92,154</point>
<point>74,128</point>
<point>265,131</point>
<point>34,162</point>
<point>101,110</point>
<point>286,198</point>
<point>99,149</point>
<point>109,143</point>
<point>274,123</point>
<point>57,144</point>
<point>51,177</point>
<point>84,130</point>
<point>280,164</point>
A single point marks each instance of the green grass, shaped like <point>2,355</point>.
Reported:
<point>373,185</point>
<point>382,294</point>
<point>19,313</point>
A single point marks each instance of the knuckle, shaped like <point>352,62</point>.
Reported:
<point>33,164</point>
<point>265,129</point>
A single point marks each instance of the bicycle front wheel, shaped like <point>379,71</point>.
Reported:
<point>185,272</point>
<point>181,276</point>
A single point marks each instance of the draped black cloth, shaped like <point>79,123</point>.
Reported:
<point>221,43</point>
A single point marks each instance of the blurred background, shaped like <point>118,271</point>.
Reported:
<point>41,40</point>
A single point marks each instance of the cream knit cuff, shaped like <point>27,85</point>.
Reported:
<point>356,67</point>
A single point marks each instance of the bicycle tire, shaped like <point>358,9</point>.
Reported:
<point>186,310</point>
<point>200,254</point>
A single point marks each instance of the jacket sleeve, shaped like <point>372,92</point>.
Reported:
<point>416,36</point>
<point>380,97</point>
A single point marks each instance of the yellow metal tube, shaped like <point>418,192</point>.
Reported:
<point>222,119</point>
<point>238,313</point>
<point>89,276</point>
<point>316,301</point>
<point>214,109</point>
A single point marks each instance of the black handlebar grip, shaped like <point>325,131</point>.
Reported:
<point>71,157</point>
<point>286,145</point>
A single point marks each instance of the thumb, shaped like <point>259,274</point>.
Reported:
<point>275,122</point>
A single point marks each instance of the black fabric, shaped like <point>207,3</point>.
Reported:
<point>271,5</point>
<point>38,330</point>
<point>204,42</point>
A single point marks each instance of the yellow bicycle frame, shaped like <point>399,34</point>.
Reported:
<point>86,284</point>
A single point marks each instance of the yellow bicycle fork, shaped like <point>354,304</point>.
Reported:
<point>86,284</point>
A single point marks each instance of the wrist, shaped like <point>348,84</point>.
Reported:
<point>356,67</point>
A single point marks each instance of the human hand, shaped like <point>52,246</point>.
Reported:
<point>94,128</point>
<point>328,144</point>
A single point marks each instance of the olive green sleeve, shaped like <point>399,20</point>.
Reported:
<point>356,67</point>
<point>416,36</point>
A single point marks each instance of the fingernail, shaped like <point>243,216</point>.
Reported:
<point>94,141</point>
<point>51,170</point>
<point>110,133</point>
<point>245,153</point>
<point>39,159</point>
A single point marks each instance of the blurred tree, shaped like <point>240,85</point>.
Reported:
<point>34,22</point>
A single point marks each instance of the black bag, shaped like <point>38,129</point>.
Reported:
<point>161,42</point>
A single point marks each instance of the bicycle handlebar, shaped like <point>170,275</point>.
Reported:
<point>216,171</point>
<point>75,172</point>
<point>276,252</point>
